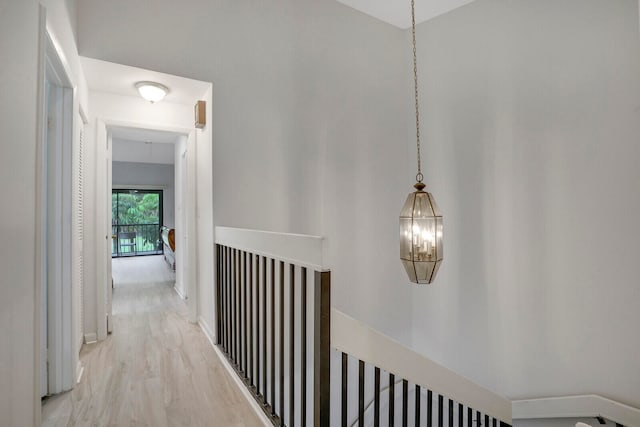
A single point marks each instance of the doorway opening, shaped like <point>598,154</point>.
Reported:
<point>150,189</point>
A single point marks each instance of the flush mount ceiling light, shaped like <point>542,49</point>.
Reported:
<point>420,218</point>
<point>152,91</point>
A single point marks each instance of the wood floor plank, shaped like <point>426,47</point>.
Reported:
<point>156,369</point>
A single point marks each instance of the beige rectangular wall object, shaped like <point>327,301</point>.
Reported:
<point>200,111</point>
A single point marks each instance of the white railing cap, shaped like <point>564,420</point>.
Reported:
<point>300,249</point>
<point>582,406</point>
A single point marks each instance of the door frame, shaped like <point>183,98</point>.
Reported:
<point>103,211</point>
<point>53,259</point>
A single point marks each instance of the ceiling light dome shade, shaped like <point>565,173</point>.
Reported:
<point>421,236</point>
<point>152,91</point>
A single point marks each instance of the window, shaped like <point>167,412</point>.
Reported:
<point>136,222</point>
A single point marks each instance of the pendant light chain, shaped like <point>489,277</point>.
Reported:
<point>421,229</point>
<point>419,176</point>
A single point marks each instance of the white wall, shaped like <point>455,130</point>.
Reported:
<point>133,109</point>
<point>204,213</point>
<point>19,42</point>
<point>142,152</point>
<point>154,175</point>
<point>532,121</point>
<point>309,125</point>
<point>19,395</point>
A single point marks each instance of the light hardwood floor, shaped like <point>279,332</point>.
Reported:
<point>156,369</point>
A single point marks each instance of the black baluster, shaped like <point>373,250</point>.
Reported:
<point>405,403</point>
<point>227,301</point>
<point>429,408</point>
<point>291,343</point>
<point>244,285</point>
<point>303,347</point>
<point>392,399</point>
<point>258,325</point>
<point>376,397</point>
<point>281,414</point>
<point>360,393</point>
<point>250,280</point>
<point>235,305</point>
<point>218,328</point>
<point>273,337</point>
<point>450,413</point>
<point>417,404</point>
<point>264,329</point>
<point>345,368</point>
<point>223,298</point>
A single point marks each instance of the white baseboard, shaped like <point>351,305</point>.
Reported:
<point>208,332</point>
<point>90,338</point>
<point>178,292</point>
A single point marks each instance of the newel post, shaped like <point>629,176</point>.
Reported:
<point>322,349</point>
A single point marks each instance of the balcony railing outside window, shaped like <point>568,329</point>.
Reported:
<point>136,239</point>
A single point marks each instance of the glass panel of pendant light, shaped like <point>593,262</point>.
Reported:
<point>421,237</point>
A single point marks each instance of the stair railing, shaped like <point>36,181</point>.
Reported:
<point>273,321</point>
<point>398,386</point>
<point>276,327</point>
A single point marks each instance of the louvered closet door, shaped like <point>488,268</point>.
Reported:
<point>78,246</point>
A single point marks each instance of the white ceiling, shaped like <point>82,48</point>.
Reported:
<point>398,12</point>
<point>120,79</point>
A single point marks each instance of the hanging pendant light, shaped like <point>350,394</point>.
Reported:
<point>421,229</point>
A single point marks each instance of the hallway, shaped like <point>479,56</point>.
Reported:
<point>156,369</point>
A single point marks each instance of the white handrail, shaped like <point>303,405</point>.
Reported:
<point>584,406</point>
<point>365,343</point>
<point>299,249</point>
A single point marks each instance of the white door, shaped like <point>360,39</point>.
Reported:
<point>44,312</point>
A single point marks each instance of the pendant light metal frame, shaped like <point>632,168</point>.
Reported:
<point>421,227</point>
